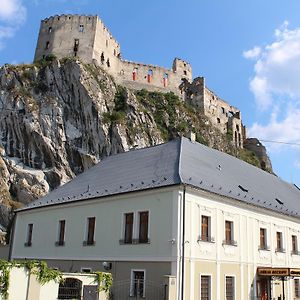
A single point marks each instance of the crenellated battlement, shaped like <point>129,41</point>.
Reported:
<point>87,37</point>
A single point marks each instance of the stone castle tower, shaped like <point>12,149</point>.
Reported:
<point>87,38</point>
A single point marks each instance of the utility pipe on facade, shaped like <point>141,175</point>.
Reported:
<point>183,244</point>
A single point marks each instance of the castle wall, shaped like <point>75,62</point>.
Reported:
<point>151,76</point>
<point>59,35</point>
<point>224,116</point>
<point>106,50</point>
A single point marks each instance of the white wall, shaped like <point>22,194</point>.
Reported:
<point>109,225</point>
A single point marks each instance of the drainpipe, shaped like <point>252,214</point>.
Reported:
<point>11,237</point>
<point>183,244</point>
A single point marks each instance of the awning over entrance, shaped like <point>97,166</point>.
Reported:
<point>280,272</point>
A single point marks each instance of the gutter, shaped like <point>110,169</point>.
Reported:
<point>11,237</point>
<point>183,244</point>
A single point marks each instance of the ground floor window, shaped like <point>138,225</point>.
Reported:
<point>70,288</point>
<point>137,285</point>
<point>205,287</point>
<point>229,288</point>
<point>297,287</point>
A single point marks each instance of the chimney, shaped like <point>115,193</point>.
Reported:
<point>191,136</point>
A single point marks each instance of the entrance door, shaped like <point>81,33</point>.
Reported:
<point>262,289</point>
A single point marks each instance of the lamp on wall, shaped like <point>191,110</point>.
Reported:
<point>106,265</point>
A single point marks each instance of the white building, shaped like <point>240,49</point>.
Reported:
<point>217,227</point>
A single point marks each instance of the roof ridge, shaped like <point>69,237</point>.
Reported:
<point>179,159</point>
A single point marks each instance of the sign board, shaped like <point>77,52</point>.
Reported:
<point>295,272</point>
<point>280,272</point>
<point>273,271</point>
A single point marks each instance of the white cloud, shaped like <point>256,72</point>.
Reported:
<point>12,16</point>
<point>252,53</point>
<point>276,89</point>
<point>280,128</point>
<point>277,68</point>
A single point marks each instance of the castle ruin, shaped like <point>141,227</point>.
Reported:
<point>87,38</point>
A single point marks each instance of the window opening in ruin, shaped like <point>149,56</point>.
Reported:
<point>115,52</point>
<point>108,63</point>
<point>134,74</point>
<point>223,110</point>
<point>47,45</point>
<point>184,72</point>
<point>102,58</point>
<point>81,28</point>
<point>49,29</point>
<point>218,120</point>
<point>230,114</point>
<point>122,72</point>
<point>240,139</point>
<point>76,46</point>
<point>235,138</point>
<point>184,64</point>
<point>166,78</point>
<point>149,75</point>
<point>69,18</point>
<point>106,43</point>
<point>237,128</point>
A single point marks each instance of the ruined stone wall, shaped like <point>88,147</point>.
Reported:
<point>67,35</point>
<point>154,76</point>
<point>106,50</point>
<point>225,116</point>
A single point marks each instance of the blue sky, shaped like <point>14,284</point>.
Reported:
<point>249,52</point>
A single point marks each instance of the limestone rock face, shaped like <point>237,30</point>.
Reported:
<point>59,118</point>
<point>254,145</point>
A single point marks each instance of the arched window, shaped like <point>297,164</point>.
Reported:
<point>134,74</point>
<point>102,58</point>
<point>70,288</point>
<point>166,77</point>
<point>149,75</point>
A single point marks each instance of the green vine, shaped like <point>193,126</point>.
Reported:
<point>104,281</point>
<point>43,273</point>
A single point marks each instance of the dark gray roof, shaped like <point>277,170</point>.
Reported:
<point>179,162</point>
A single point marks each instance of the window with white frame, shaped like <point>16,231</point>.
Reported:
<point>128,228</point>
<point>135,228</point>
<point>263,239</point>
<point>294,245</point>
<point>205,288</point>
<point>90,232</point>
<point>229,288</point>
<point>297,287</point>
<point>28,242</point>
<point>229,235</point>
<point>206,229</point>
<point>279,242</point>
<point>143,227</point>
<point>137,283</point>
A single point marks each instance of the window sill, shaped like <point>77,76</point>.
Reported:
<point>88,243</point>
<point>208,239</point>
<point>280,251</point>
<point>229,243</point>
<point>59,243</point>
<point>296,252</point>
<point>264,248</point>
<point>134,242</point>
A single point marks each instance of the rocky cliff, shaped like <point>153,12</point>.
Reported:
<point>58,118</point>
